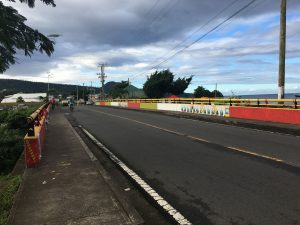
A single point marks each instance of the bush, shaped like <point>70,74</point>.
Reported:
<point>7,196</point>
<point>12,132</point>
<point>11,142</point>
<point>3,116</point>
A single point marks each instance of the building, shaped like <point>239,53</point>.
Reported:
<point>27,97</point>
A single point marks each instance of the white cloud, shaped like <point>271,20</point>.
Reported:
<point>131,39</point>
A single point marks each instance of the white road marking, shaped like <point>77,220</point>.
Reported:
<point>194,138</point>
<point>177,216</point>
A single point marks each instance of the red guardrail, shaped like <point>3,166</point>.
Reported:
<point>34,139</point>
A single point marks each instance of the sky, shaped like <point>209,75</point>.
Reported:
<point>134,38</point>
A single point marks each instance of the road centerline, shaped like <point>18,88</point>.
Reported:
<point>229,148</point>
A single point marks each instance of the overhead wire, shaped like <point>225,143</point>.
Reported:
<point>196,30</point>
<point>200,28</point>
<point>201,37</point>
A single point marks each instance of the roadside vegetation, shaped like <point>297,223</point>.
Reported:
<point>13,127</point>
<point>162,83</point>
<point>8,187</point>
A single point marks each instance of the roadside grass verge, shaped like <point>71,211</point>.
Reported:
<point>13,127</point>
<point>8,188</point>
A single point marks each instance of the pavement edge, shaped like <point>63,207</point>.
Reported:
<point>132,213</point>
<point>160,202</point>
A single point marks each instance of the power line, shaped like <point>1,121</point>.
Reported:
<point>162,14</point>
<point>203,36</point>
<point>245,11</point>
<point>152,8</point>
<point>139,33</point>
<point>201,27</point>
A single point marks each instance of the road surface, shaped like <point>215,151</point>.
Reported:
<point>211,173</point>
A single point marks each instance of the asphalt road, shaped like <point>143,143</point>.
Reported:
<point>211,173</point>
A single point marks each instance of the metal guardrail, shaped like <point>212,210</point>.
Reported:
<point>257,102</point>
<point>34,118</point>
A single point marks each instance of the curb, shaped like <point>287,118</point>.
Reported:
<point>132,213</point>
<point>159,201</point>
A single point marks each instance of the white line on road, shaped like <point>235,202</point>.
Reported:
<point>194,138</point>
<point>177,216</point>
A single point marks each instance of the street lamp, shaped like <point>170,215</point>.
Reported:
<point>49,75</point>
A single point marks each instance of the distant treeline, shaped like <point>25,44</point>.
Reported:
<point>14,86</point>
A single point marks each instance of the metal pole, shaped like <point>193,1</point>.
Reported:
<point>77,93</point>
<point>48,81</point>
<point>102,77</point>
<point>282,47</point>
<point>83,93</point>
<point>216,90</point>
<point>128,88</point>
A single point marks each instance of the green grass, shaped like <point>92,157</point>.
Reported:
<point>8,188</point>
<point>13,127</point>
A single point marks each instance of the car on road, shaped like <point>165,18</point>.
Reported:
<point>64,102</point>
<point>89,103</point>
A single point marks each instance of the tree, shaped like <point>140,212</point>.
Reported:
<point>119,90</point>
<point>217,93</point>
<point>161,83</point>
<point>203,92</point>
<point>15,35</point>
<point>158,84</point>
<point>179,86</point>
<point>20,100</point>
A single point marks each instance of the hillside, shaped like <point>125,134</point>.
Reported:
<point>34,87</point>
<point>133,91</point>
<point>11,86</point>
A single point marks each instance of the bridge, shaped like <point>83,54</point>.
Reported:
<point>201,162</point>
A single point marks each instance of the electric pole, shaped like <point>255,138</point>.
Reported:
<point>83,93</point>
<point>102,77</point>
<point>282,47</point>
<point>49,75</point>
<point>216,88</point>
<point>128,88</point>
<point>77,93</point>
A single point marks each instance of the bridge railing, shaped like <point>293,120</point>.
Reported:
<point>34,139</point>
<point>257,102</point>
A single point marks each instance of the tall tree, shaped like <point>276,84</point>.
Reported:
<point>20,99</point>
<point>203,92</point>
<point>180,85</point>
<point>119,90</point>
<point>161,83</point>
<point>16,35</point>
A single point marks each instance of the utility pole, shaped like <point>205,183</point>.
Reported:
<point>83,93</point>
<point>49,75</point>
<point>77,93</point>
<point>102,77</point>
<point>128,88</point>
<point>216,90</point>
<point>282,47</point>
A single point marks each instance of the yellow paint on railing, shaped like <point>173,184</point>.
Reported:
<point>261,102</point>
<point>148,105</point>
<point>107,103</point>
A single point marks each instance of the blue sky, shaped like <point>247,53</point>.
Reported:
<point>132,36</point>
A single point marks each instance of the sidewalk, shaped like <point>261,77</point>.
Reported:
<point>67,187</point>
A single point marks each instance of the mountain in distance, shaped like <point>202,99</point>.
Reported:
<point>13,86</point>
<point>133,92</point>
